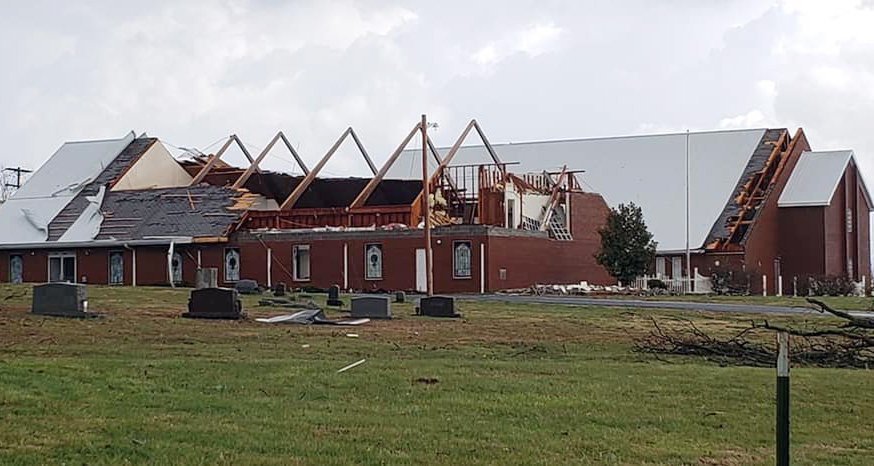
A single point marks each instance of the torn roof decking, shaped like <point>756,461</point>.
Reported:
<point>721,229</point>
<point>322,192</point>
<point>71,212</point>
<point>197,211</point>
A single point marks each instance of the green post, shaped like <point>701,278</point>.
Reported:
<point>783,399</point>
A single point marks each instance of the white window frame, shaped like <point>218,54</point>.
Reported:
<point>294,264</point>
<point>455,245</point>
<point>676,268</point>
<point>61,256</point>
<point>109,267</point>
<point>660,267</point>
<point>381,261</point>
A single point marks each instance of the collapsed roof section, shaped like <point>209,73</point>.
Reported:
<point>132,189</point>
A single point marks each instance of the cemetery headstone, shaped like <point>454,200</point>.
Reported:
<point>246,286</point>
<point>60,299</point>
<point>334,296</point>
<point>371,307</point>
<point>438,306</point>
<point>280,289</point>
<point>206,278</point>
<point>400,297</point>
<point>215,303</point>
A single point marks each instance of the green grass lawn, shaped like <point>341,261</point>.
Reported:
<point>505,385</point>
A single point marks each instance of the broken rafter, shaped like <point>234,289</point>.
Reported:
<point>213,159</point>
<point>553,199</point>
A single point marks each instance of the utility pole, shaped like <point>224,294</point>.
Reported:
<point>426,207</point>
<point>688,287</point>
<point>18,171</point>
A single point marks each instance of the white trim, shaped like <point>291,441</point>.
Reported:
<point>345,266</point>
<point>308,249</point>
<point>482,268</point>
<point>61,255</point>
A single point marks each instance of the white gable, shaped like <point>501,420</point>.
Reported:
<point>25,216</point>
<point>814,179</point>
<point>154,169</point>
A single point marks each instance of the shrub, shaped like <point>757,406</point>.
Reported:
<point>831,285</point>
<point>730,282</point>
<point>656,284</point>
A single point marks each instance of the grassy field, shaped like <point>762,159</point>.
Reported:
<point>853,303</point>
<point>505,385</point>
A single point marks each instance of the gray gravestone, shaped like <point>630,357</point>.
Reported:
<point>215,303</point>
<point>372,307</point>
<point>400,297</point>
<point>438,306</point>
<point>280,289</point>
<point>206,278</point>
<point>60,299</point>
<point>247,286</point>
<point>334,296</point>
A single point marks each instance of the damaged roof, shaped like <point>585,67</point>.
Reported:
<point>26,216</point>
<point>197,211</point>
<point>649,170</point>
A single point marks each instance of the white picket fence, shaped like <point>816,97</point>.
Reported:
<point>697,285</point>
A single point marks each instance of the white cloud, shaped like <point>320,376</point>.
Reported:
<point>535,39</point>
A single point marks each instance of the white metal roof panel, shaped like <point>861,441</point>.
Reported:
<point>25,216</point>
<point>649,170</point>
<point>814,179</point>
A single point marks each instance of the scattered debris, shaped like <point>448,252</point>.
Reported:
<point>287,302</point>
<point>427,380</point>
<point>310,317</point>
<point>352,335</point>
<point>848,346</point>
<point>305,346</point>
<point>353,365</point>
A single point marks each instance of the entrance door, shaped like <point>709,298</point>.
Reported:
<point>421,272</point>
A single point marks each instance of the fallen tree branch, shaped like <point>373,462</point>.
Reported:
<point>855,321</point>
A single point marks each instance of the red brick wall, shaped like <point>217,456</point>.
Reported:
<point>763,242</point>
<point>529,261</point>
<point>326,263</point>
<point>802,243</point>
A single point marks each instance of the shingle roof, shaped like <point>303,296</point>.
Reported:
<point>62,222</point>
<point>197,211</point>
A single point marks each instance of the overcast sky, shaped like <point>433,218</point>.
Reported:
<point>193,72</point>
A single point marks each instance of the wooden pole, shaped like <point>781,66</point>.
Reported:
<point>426,207</point>
<point>783,399</point>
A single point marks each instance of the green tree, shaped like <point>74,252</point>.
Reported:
<point>627,247</point>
